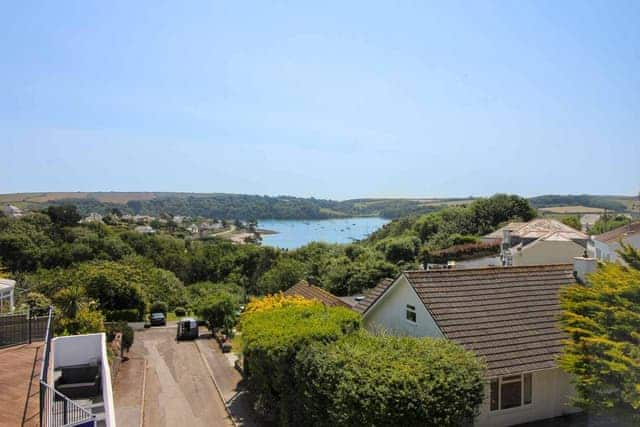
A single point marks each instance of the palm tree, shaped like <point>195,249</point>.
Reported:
<point>70,300</point>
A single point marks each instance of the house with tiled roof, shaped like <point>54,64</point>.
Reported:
<point>537,242</point>
<point>605,246</point>
<point>506,315</point>
<point>307,290</point>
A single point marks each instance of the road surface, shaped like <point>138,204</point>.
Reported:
<point>178,390</point>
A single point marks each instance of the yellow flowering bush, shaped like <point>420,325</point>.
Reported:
<point>278,300</point>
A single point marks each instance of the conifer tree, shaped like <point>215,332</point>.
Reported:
<point>602,320</point>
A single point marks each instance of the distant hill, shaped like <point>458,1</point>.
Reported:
<point>611,203</point>
<point>222,205</point>
<point>242,206</point>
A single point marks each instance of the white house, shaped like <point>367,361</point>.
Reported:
<point>12,211</point>
<point>145,229</point>
<point>7,299</point>
<point>506,315</point>
<point>604,246</point>
<point>92,217</point>
<point>537,242</point>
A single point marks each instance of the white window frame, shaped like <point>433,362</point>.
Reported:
<point>522,392</point>
<point>411,309</point>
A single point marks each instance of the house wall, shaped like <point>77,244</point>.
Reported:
<point>389,313</point>
<point>607,252</point>
<point>488,261</point>
<point>552,390</point>
<point>548,252</point>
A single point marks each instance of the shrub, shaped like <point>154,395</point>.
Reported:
<point>461,252</point>
<point>220,310</point>
<point>363,379</point>
<point>38,303</point>
<point>180,311</point>
<point>272,338</point>
<point>124,315</point>
<point>400,249</point>
<point>87,320</point>
<point>278,300</point>
<point>159,307</point>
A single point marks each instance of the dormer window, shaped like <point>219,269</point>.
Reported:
<point>411,313</point>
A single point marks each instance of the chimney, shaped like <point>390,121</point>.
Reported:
<point>506,237</point>
<point>582,266</point>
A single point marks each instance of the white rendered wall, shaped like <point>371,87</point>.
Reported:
<point>548,252</point>
<point>389,313</point>
<point>552,391</point>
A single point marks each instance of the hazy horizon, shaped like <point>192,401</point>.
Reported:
<point>423,197</point>
<point>331,100</point>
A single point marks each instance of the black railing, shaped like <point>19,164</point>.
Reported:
<point>21,328</point>
<point>56,409</point>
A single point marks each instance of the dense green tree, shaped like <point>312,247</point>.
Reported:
<point>608,222</point>
<point>65,215</point>
<point>220,310</point>
<point>285,273</point>
<point>602,320</point>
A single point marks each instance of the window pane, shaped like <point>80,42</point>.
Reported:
<point>527,389</point>
<point>511,395</point>
<point>411,315</point>
<point>494,395</point>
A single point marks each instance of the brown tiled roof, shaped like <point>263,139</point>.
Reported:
<point>619,233</point>
<point>306,290</point>
<point>372,295</point>
<point>506,315</point>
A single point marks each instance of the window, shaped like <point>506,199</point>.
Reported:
<point>411,313</point>
<point>511,392</point>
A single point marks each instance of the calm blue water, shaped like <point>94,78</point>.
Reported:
<point>295,233</point>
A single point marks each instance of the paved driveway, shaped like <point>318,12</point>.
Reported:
<point>178,390</point>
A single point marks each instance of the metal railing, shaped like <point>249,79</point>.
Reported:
<point>21,328</point>
<point>56,409</point>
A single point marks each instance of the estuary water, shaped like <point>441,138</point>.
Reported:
<point>292,234</point>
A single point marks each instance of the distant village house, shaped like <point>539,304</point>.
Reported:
<point>12,211</point>
<point>604,246</point>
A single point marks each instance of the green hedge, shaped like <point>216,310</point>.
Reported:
<point>366,380</point>
<point>125,315</point>
<point>271,340</point>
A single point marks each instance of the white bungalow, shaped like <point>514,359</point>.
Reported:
<point>506,315</point>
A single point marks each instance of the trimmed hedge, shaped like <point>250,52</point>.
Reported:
<point>462,252</point>
<point>125,315</point>
<point>180,311</point>
<point>271,341</point>
<point>366,380</point>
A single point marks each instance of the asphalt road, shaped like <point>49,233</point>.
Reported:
<point>178,389</point>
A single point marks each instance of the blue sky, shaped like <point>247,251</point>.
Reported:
<point>325,99</point>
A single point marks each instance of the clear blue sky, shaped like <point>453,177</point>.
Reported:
<point>328,99</point>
